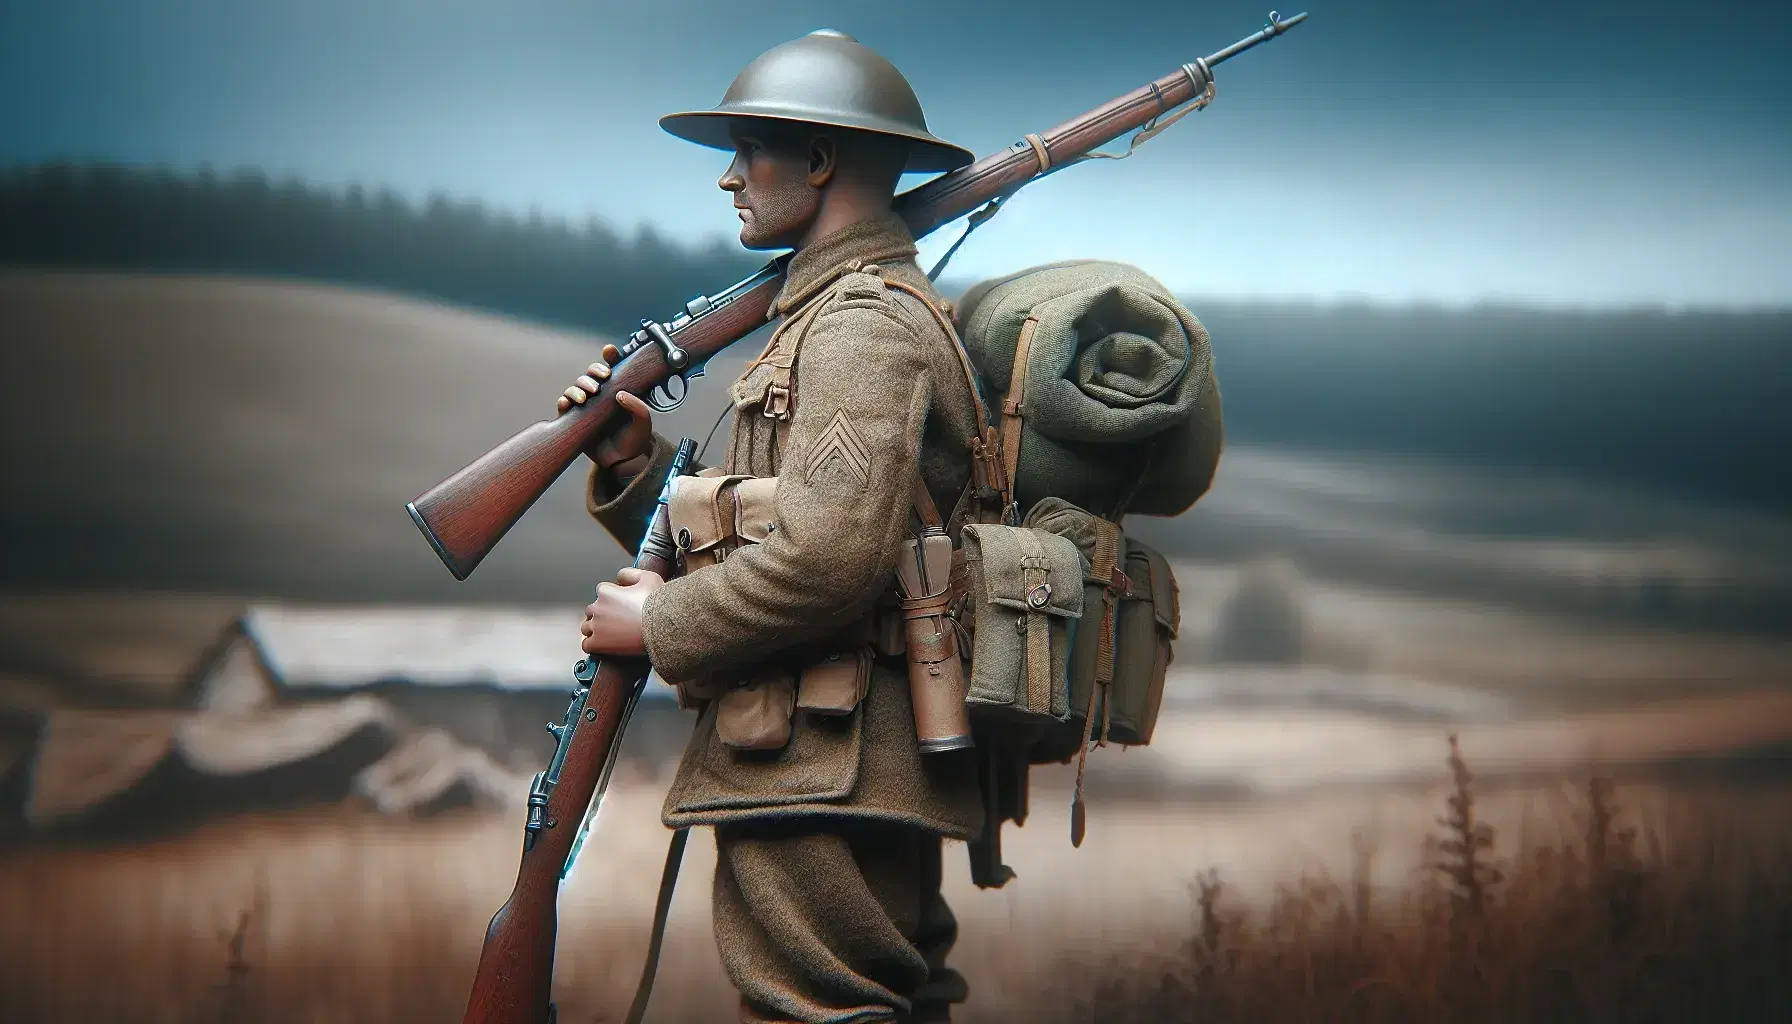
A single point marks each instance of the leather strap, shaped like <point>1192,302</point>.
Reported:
<point>964,358</point>
<point>662,911</point>
<point>1034,572</point>
<point>985,447</point>
<point>1106,568</point>
<point>925,509</point>
<point>1013,404</point>
<point>1077,814</point>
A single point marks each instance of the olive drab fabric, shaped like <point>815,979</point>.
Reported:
<point>1130,598</point>
<point>1024,600</point>
<point>795,895</point>
<point>1118,409</point>
<point>877,396</point>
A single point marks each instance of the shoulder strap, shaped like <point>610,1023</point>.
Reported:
<point>989,483</point>
<point>780,389</point>
<point>964,358</point>
<point>1012,406</point>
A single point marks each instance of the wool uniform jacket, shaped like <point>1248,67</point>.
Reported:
<point>877,397</point>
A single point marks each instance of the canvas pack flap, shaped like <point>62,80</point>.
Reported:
<point>1142,560</point>
<point>754,517</point>
<point>696,510</point>
<point>1010,560</point>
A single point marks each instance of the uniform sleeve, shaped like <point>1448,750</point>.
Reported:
<point>845,483</point>
<point>624,509</point>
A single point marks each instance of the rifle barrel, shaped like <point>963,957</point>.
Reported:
<point>1276,27</point>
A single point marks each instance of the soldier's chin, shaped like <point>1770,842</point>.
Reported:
<point>754,237</point>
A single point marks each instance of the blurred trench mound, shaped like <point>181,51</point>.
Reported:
<point>111,771</point>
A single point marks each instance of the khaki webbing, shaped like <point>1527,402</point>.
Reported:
<point>964,358</point>
<point>1035,569</point>
<point>986,435</point>
<point>925,508</point>
<point>1017,393</point>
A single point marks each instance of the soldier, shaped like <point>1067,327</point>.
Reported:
<point>827,899</point>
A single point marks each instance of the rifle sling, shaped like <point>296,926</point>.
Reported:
<point>662,909</point>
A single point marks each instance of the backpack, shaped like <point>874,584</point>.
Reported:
<point>1108,405</point>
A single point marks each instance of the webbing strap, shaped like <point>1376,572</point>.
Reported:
<point>1034,572</point>
<point>1012,405</point>
<point>1105,567</point>
<point>662,909</point>
<point>985,454</point>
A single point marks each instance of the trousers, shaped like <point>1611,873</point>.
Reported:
<point>834,921</point>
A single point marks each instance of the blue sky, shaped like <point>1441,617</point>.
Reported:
<point>1585,154</point>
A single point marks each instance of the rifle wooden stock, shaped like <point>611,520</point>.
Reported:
<point>466,515</point>
<point>515,978</point>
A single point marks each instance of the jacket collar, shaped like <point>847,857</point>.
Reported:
<point>881,239</point>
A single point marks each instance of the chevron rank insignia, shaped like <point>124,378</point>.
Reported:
<point>841,441</point>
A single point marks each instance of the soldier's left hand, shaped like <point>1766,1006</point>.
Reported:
<point>613,621</point>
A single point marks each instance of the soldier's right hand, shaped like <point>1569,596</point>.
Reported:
<point>627,442</point>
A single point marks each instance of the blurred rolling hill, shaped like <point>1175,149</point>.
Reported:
<point>257,437</point>
<point>1693,403</point>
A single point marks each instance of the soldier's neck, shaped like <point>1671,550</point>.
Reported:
<point>842,211</point>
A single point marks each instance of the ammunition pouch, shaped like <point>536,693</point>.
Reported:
<point>712,515</point>
<point>1024,601</point>
<point>757,713</point>
<point>1123,646</point>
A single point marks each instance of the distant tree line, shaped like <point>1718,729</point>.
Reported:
<point>1690,401</point>
<point>132,218</point>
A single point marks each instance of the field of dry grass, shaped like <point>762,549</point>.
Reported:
<point>1574,902</point>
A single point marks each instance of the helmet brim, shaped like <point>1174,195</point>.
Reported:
<point>927,153</point>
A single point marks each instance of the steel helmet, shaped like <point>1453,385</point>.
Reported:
<point>826,78</point>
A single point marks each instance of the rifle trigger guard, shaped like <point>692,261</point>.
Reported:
<point>664,398</point>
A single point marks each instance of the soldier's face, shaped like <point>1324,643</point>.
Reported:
<point>775,191</point>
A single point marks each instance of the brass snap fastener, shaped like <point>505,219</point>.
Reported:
<point>1038,596</point>
<point>684,539</point>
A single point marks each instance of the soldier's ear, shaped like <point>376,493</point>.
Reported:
<point>824,160</point>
